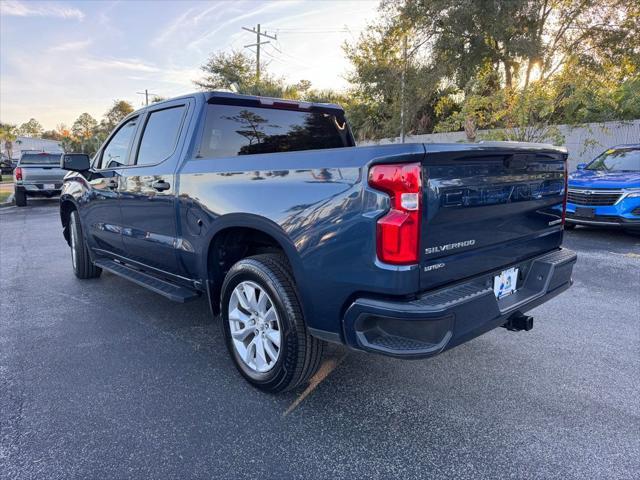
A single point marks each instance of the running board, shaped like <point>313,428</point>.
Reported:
<point>174,292</point>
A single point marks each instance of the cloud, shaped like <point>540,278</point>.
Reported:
<point>188,21</point>
<point>71,46</point>
<point>234,20</point>
<point>16,8</point>
<point>180,76</point>
<point>116,64</point>
<point>168,31</point>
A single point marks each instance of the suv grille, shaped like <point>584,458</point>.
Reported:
<point>593,198</point>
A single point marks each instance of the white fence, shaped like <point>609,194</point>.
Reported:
<point>583,143</point>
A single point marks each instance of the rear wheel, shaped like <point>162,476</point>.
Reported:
<point>83,267</point>
<point>263,325</point>
<point>21,197</point>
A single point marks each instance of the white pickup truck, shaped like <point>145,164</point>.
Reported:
<point>37,175</point>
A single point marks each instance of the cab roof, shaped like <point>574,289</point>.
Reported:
<point>230,98</point>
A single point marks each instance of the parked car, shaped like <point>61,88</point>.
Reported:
<point>606,191</point>
<point>297,237</point>
<point>37,175</point>
<point>6,165</point>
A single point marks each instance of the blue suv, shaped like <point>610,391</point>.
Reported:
<point>606,191</point>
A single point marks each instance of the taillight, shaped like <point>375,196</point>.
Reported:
<point>566,192</point>
<point>398,232</point>
<point>18,173</point>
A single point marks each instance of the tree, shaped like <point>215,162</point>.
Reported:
<point>32,128</point>
<point>115,114</point>
<point>51,135</point>
<point>84,127</point>
<point>227,71</point>
<point>63,135</point>
<point>8,134</point>
<point>473,63</point>
<point>59,133</point>
<point>517,36</point>
<point>380,61</point>
<point>235,72</point>
<point>84,131</point>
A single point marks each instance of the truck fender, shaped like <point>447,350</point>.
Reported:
<point>264,225</point>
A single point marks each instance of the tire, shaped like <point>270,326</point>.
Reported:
<point>83,267</point>
<point>569,226</point>
<point>21,197</point>
<point>298,354</point>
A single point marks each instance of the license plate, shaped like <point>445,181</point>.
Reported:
<point>505,283</point>
<point>585,212</point>
<point>49,186</point>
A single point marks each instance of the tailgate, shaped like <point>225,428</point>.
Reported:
<point>42,174</point>
<point>488,205</point>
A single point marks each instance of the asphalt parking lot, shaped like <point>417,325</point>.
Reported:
<point>103,379</point>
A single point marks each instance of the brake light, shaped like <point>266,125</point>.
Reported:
<point>18,173</point>
<point>398,232</point>
<point>566,192</point>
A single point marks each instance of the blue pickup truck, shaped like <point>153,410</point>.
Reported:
<point>606,191</point>
<point>298,237</point>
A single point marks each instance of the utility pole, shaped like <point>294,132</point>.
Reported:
<point>402,87</point>
<point>259,34</point>
<point>146,96</point>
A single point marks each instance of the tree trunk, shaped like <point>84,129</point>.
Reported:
<point>508,79</point>
<point>470,129</point>
<point>528,75</point>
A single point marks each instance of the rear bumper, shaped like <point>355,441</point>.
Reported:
<point>447,317</point>
<point>38,189</point>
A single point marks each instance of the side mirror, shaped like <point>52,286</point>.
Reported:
<point>581,166</point>
<point>77,162</point>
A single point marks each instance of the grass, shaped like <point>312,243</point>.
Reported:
<point>4,194</point>
<point>6,179</point>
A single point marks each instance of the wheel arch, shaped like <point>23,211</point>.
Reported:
<point>67,205</point>
<point>249,234</point>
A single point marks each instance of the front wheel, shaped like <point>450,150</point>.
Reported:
<point>263,325</point>
<point>83,267</point>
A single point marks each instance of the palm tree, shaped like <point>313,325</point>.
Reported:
<point>8,135</point>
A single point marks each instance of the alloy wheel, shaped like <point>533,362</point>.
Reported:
<point>255,328</point>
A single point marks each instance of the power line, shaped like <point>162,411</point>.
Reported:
<point>310,32</point>
<point>259,34</point>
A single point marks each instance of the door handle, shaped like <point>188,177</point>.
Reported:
<point>161,185</point>
<point>112,184</point>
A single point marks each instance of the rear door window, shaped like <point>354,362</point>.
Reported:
<point>160,135</point>
<point>232,130</point>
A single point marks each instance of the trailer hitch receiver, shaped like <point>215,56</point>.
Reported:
<point>518,322</point>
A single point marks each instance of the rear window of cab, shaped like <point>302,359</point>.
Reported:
<point>232,130</point>
<point>40,159</point>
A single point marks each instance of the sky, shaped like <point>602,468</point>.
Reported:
<point>60,59</point>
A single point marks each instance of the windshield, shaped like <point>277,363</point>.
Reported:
<point>40,159</point>
<point>623,160</point>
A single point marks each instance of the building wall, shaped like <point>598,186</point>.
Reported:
<point>38,144</point>
<point>583,143</point>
